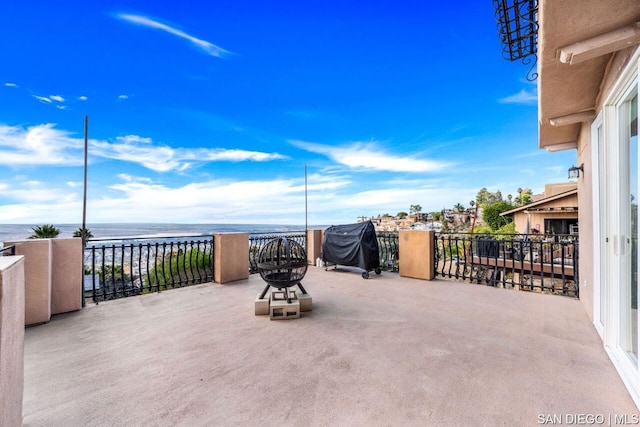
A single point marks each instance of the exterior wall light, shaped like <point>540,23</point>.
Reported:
<point>574,171</point>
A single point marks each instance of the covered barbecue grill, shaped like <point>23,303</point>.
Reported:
<point>354,245</point>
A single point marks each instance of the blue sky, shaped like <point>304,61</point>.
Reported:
<point>208,112</point>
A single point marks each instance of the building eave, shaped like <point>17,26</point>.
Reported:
<point>585,34</point>
<point>536,205</point>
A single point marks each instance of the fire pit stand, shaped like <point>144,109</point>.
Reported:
<point>282,264</point>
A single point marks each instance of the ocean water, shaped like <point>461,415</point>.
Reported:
<point>12,232</point>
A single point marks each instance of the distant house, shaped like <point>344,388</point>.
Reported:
<point>419,226</point>
<point>422,216</point>
<point>555,213</point>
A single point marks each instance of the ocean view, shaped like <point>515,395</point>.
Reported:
<point>11,232</point>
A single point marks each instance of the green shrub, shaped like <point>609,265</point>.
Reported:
<point>451,250</point>
<point>183,266</point>
<point>509,228</point>
<point>491,214</point>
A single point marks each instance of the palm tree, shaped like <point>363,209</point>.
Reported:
<point>45,232</point>
<point>519,198</point>
<point>459,207</point>
<point>85,233</point>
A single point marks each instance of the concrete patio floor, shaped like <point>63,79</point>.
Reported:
<point>380,352</point>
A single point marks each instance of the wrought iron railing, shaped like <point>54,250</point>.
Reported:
<point>257,241</point>
<point>8,250</point>
<point>517,22</point>
<point>388,250</point>
<point>387,244</point>
<point>123,267</point>
<point>543,263</point>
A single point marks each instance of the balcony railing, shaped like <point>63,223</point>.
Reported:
<point>388,250</point>
<point>133,266</point>
<point>116,268</point>
<point>257,241</point>
<point>542,263</point>
<point>8,250</point>
<point>517,22</point>
<point>387,243</point>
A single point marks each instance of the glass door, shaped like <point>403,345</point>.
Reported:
<point>629,128</point>
<point>626,244</point>
<point>618,223</point>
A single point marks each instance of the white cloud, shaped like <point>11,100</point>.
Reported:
<point>529,154</point>
<point>82,98</point>
<point>162,158</point>
<point>283,199</point>
<point>123,96</point>
<point>46,145</point>
<point>331,199</point>
<point>38,145</point>
<point>232,155</point>
<point>8,84</point>
<point>130,178</point>
<point>50,99</point>
<point>367,155</point>
<point>134,139</point>
<point>401,197</point>
<point>201,44</point>
<point>196,202</point>
<point>528,171</point>
<point>523,97</point>
<point>557,170</point>
<point>158,158</point>
<point>35,193</point>
<point>43,99</point>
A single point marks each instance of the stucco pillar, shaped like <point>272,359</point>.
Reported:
<point>231,257</point>
<point>37,278</point>
<point>314,245</point>
<point>66,286</point>
<point>416,253</point>
<point>11,340</point>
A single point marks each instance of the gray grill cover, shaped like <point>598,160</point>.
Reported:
<point>351,245</point>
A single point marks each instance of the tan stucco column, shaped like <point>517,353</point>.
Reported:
<point>37,279</point>
<point>53,277</point>
<point>314,245</point>
<point>11,340</point>
<point>416,253</point>
<point>231,257</point>
<point>66,267</point>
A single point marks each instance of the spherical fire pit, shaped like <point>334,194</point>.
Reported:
<point>282,263</point>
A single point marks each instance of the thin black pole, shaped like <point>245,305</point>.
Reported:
<point>84,195</point>
<point>306,233</point>
<point>83,232</point>
<point>305,198</point>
